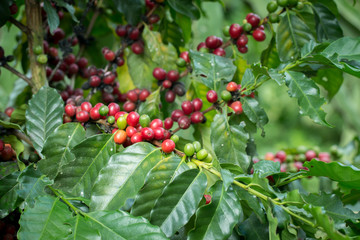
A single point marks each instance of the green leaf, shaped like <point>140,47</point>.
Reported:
<point>217,219</point>
<point>273,222</point>
<point>179,201</point>
<point>347,176</point>
<point>4,12</point>
<point>212,69</point>
<point>185,24</point>
<point>9,125</point>
<point>158,178</point>
<point>151,105</point>
<point>185,7</point>
<point>32,184</point>
<point>252,201</point>
<point>57,148</point>
<point>327,26</point>
<point>123,176</point>
<point>116,225</point>
<point>91,155</point>
<point>140,70</point>
<point>252,228</point>
<point>52,16</point>
<point>133,10</point>
<point>46,220</point>
<point>292,34</point>
<point>68,7</point>
<point>331,79</point>
<point>81,229</point>
<point>254,111</point>
<point>44,114</point>
<point>18,115</point>
<point>308,95</point>
<point>227,178</point>
<point>270,56</point>
<point>8,195</point>
<point>7,168</point>
<point>266,168</point>
<point>171,33</point>
<point>229,142</point>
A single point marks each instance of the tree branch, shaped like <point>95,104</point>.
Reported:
<point>21,26</point>
<point>17,73</point>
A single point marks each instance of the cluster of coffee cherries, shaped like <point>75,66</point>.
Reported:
<point>169,82</point>
<point>7,153</point>
<point>190,113</point>
<point>9,226</point>
<point>212,44</point>
<point>239,33</point>
<point>194,150</point>
<point>273,6</point>
<point>112,57</point>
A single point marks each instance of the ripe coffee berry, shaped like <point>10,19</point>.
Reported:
<point>170,96</point>
<point>156,123</point>
<point>176,114</point>
<point>159,73</point>
<point>137,48</point>
<point>167,84</point>
<point>281,155</point>
<point>86,106</point>
<point>133,119</point>
<point>243,49</point>
<point>82,116</point>
<point>144,94</point>
<point>94,114</point>
<point>237,107</point>
<point>259,35</point>
<point>185,56</point>
<point>137,137</point>
<point>211,96</point>
<point>109,78</point>
<point>121,31</point>
<point>132,96</point>
<point>231,86</point>
<point>109,55</point>
<point>254,20</point>
<point>184,122</point>
<point>120,136</point>
<point>189,149</point>
<point>168,146</point>
<point>1,145</point>
<point>95,81</point>
<point>73,69</point>
<point>173,75</point>
<point>197,117</point>
<point>168,123</point>
<point>187,107</point>
<point>197,104</point>
<point>220,52</point>
<point>70,110</point>
<point>235,30</point>
<point>113,108</point>
<point>310,155</point>
<point>213,42</point>
<point>242,41</point>
<point>104,110</point>
<point>134,34</point>
<point>147,134</point>
<point>130,131</point>
<point>129,106</point>
<point>144,120</point>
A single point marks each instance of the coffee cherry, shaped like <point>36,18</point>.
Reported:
<point>201,45</point>
<point>109,78</point>
<point>176,114</point>
<point>82,63</point>
<point>119,61</point>
<point>173,75</point>
<point>180,62</point>
<point>170,96</point>
<point>37,50</point>
<point>119,114</point>
<point>58,35</point>
<point>73,69</point>
<point>220,52</point>
<point>130,131</point>
<point>197,146</point>
<point>134,34</point>
<point>211,96</point>
<point>179,89</point>
<point>300,5</point>
<point>310,155</point>
<point>111,119</point>
<point>274,18</point>
<point>104,110</point>
<point>237,107</point>
<point>185,56</point>
<point>137,48</point>
<point>174,138</point>
<point>147,134</point>
<point>121,122</point>
<point>137,137</point>
<point>159,73</point>
<point>42,59</point>
<point>121,31</point>
<point>168,146</point>
<point>86,106</point>
<point>120,137</point>
<point>144,120</point>
<point>282,3</point>
<point>13,9</point>
<point>197,117</point>
<point>156,123</point>
<point>153,19</point>
<point>94,114</point>
<point>187,107</point>
<point>133,119</point>
<point>189,149</point>
<point>8,111</point>
<point>226,30</point>
<point>168,123</point>
<point>259,35</point>
<point>197,104</point>
<point>184,122</point>
<point>167,84</point>
<point>292,3</point>
<point>202,154</point>
<point>281,155</point>
<point>235,30</point>
<point>272,6</point>
<point>129,106</point>
<point>109,55</point>
<point>82,116</point>
<point>2,144</point>
<point>226,96</point>
<point>242,41</point>
<point>254,20</point>
<point>95,81</point>
<point>243,49</point>
<point>208,159</point>
<point>159,133</point>
<point>113,108</point>
<point>231,86</point>
<point>144,94</point>
<point>247,27</point>
<point>213,42</point>
<point>70,110</point>
<point>132,96</point>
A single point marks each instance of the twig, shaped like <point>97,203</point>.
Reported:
<point>22,136</point>
<point>17,73</point>
<point>140,24</point>
<point>21,26</point>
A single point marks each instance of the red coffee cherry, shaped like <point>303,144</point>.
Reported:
<point>121,31</point>
<point>130,131</point>
<point>113,109</point>
<point>159,133</point>
<point>211,96</point>
<point>220,52</point>
<point>120,137</point>
<point>156,123</point>
<point>173,75</point>
<point>184,122</point>
<point>94,114</point>
<point>144,94</point>
<point>134,34</point>
<point>197,117</point>
<point>259,35</point>
<point>176,114</point>
<point>86,106</point>
<point>137,48</point>
<point>197,104</point>
<point>167,84</point>
<point>242,41</point>
<point>95,81</point>
<point>129,106</point>
<point>147,134</point>
<point>243,49</point>
<point>109,78</point>
<point>159,73</point>
<point>137,137</point>
<point>170,96</point>
<point>187,107</point>
<point>70,110</point>
<point>231,86</point>
<point>253,19</point>
<point>168,146</point>
<point>82,116</point>
<point>213,42</point>
<point>133,119</point>
<point>109,55</point>
<point>237,107</point>
<point>235,30</point>
<point>168,123</point>
<point>185,56</point>
<point>132,96</point>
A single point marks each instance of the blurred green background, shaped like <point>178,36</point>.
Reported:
<point>286,128</point>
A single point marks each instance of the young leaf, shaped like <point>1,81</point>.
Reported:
<point>123,176</point>
<point>217,219</point>
<point>57,148</point>
<point>327,26</point>
<point>308,95</point>
<point>8,195</point>
<point>212,69</point>
<point>151,105</point>
<point>179,201</point>
<point>44,114</point>
<point>292,34</point>
<point>229,142</point>
<point>158,178</point>
<point>46,220</point>
<point>91,155</point>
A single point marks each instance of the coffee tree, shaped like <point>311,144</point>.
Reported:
<point>119,129</point>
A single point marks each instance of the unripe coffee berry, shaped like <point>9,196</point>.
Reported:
<point>226,96</point>
<point>111,119</point>
<point>197,146</point>
<point>202,154</point>
<point>103,110</point>
<point>189,149</point>
<point>120,137</point>
<point>175,138</point>
<point>144,120</point>
<point>121,122</point>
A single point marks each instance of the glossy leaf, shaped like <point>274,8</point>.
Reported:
<point>123,176</point>
<point>270,56</point>
<point>151,105</point>
<point>9,125</point>
<point>46,220</point>
<point>266,168</point>
<point>132,10</point>
<point>292,34</point>
<point>252,228</point>
<point>140,70</point>
<point>253,203</point>
<point>32,184</point>
<point>229,142</point>
<point>7,168</point>
<point>212,69</point>
<point>327,26</point>
<point>179,201</point>
<point>273,222</point>
<point>171,33</point>
<point>44,114</point>
<point>308,95</point>
<point>91,155</point>
<point>217,219</point>
<point>81,229</point>
<point>8,195</point>
<point>52,16</point>
<point>158,178</point>
<point>254,111</point>
<point>330,79</point>
<point>185,7</point>
<point>347,176</point>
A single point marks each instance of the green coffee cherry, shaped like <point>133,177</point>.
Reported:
<point>208,159</point>
<point>292,3</point>
<point>300,6</point>
<point>103,110</point>
<point>42,59</point>
<point>174,138</point>
<point>272,6</point>
<point>111,119</point>
<point>226,96</point>
<point>144,120</point>
<point>38,50</point>
<point>180,62</point>
<point>274,18</point>
<point>189,149</point>
<point>121,122</point>
<point>247,27</point>
<point>282,3</point>
<point>226,31</point>
<point>197,146</point>
<point>204,50</point>
<point>192,165</point>
<point>202,154</point>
